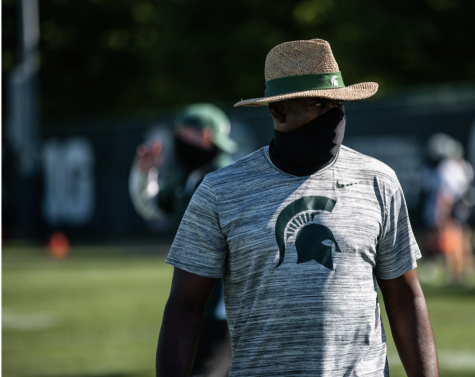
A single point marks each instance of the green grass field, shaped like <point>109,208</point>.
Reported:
<point>98,313</point>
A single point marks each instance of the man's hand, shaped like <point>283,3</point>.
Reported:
<point>148,156</point>
<point>181,323</point>
<point>410,325</point>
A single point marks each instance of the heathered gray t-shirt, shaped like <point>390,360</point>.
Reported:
<point>299,257</point>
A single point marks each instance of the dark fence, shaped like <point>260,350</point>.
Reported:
<point>82,185</point>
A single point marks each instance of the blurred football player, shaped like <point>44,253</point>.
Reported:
<point>449,199</point>
<point>202,145</point>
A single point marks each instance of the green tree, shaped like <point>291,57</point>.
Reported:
<point>116,55</point>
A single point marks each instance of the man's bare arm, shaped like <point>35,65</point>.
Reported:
<point>181,325</point>
<point>410,324</point>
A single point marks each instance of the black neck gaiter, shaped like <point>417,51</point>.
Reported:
<point>192,157</point>
<point>310,147</point>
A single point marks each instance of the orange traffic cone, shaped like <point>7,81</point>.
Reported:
<point>58,245</point>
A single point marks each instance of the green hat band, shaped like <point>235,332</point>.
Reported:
<point>301,83</point>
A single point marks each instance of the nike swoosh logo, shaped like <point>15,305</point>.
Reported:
<point>341,185</point>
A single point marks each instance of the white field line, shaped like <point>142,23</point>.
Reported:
<point>448,359</point>
<point>31,321</point>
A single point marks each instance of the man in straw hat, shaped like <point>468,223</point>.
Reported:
<point>301,231</point>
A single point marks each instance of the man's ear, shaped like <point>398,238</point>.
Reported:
<point>278,111</point>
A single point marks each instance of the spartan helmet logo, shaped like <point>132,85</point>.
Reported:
<point>312,241</point>
<point>334,81</point>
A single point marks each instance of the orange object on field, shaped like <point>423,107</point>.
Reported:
<point>451,239</point>
<point>58,245</point>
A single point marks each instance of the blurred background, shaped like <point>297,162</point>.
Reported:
<point>84,83</point>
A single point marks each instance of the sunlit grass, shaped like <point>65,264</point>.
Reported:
<point>98,313</point>
<point>86,315</point>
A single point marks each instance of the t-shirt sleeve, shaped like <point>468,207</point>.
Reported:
<point>397,249</point>
<point>199,246</point>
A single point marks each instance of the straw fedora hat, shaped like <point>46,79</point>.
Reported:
<point>306,69</point>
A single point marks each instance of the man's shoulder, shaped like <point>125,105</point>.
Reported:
<point>248,166</point>
<point>366,164</point>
